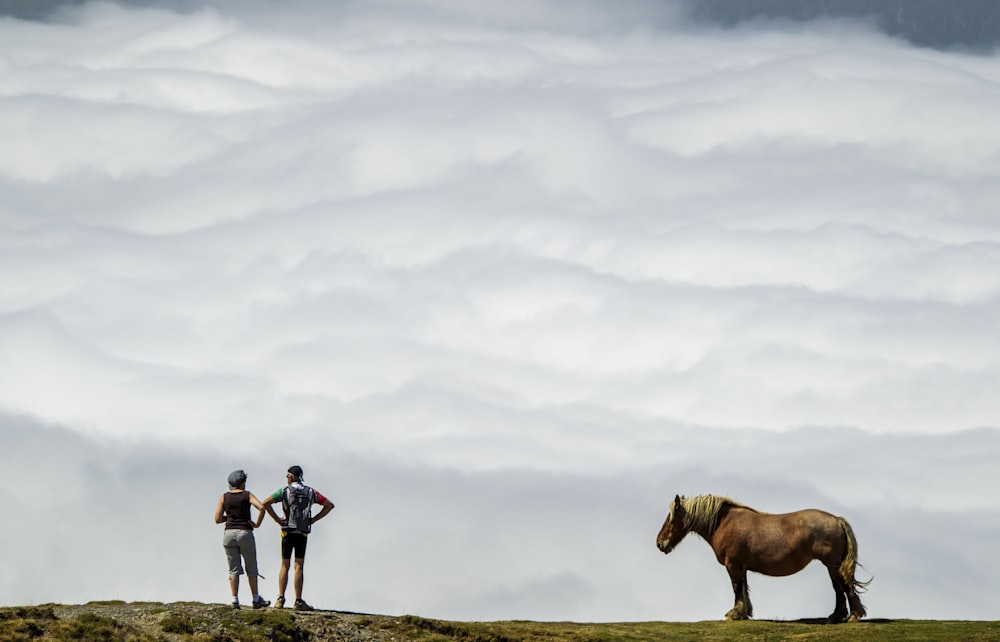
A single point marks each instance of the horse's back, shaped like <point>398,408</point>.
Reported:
<point>809,521</point>
<point>812,525</point>
<point>814,518</point>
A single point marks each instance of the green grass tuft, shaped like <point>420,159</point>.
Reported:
<point>24,623</point>
<point>106,603</point>
<point>268,625</point>
<point>177,623</point>
<point>29,624</point>
<point>27,613</point>
<point>90,627</point>
<point>454,631</point>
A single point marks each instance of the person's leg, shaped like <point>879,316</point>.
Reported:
<point>283,577</point>
<point>286,558</point>
<point>248,548</point>
<point>299,563</point>
<point>232,547</point>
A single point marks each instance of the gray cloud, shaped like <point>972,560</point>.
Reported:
<point>503,272</point>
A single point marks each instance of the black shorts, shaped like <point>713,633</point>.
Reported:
<point>293,542</point>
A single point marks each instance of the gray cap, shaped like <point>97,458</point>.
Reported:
<point>236,478</point>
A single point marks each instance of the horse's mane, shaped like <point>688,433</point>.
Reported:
<point>701,513</point>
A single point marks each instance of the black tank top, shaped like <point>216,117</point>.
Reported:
<point>237,508</point>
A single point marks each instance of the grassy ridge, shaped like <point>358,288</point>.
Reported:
<point>193,622</point>
<point>411,628</point>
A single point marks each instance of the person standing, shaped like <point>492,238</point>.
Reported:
<point>234,511</point>
<point>296,500</point>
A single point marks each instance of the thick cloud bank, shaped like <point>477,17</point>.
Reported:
<point>503,280</point>
<point>409,538</point>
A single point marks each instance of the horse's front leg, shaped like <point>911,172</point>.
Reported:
<point>742,609</point>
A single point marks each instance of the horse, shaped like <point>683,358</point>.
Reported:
<point>745,539</point>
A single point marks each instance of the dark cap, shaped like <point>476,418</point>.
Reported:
<point>296,472</point>
<point>236,478</point>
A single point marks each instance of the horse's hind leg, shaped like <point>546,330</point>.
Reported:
<point>742,609</point>
<point>841,589</point>
<point>858,610</point>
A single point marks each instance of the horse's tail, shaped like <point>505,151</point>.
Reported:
<point>850,561</point>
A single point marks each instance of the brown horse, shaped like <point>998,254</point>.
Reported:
<point>745,539</point>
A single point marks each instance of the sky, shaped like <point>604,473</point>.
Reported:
<point>503,279</point>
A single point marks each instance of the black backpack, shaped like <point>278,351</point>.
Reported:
<point>297,502</point>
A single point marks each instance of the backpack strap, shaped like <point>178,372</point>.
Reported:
<point>284,499</point>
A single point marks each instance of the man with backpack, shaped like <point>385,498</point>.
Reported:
<point>296,499</point>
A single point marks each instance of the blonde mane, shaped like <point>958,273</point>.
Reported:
<point>701,513</point>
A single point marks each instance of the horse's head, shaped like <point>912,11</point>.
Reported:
<point>673,530</point>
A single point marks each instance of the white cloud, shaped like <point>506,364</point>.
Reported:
<point>596,255</point>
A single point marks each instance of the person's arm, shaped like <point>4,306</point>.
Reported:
<point>220,514</point>
<point>327,507</point>
<point>260,510</point>
<point>270,511</point>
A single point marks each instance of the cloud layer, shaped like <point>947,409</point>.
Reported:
<point>511,543</point>
<point>499,274</point>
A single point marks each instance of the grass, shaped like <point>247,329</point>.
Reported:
<point>267,625</point>
<point>39,623</point>
<point>27,624</point>
<point>177,623</point>
<point>425,630</point>
<point>227,625</point>
<point>220,624</point>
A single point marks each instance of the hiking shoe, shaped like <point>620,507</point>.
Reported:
<point>280,602</point>
<point>300,605</point>
<point>235,605</point>
<point>260,603</point>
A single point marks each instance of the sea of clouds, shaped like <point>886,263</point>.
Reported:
<point>503,280</point>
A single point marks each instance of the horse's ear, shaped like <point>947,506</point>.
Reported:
<point>677,503</point>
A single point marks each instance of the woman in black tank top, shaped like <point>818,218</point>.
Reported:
<point>238,540</point>
<point>236,508</point>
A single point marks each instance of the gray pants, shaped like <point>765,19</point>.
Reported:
<point>240,544</point>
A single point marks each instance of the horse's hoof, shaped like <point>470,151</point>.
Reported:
<point>854,618</point>
<point>734,614</point>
